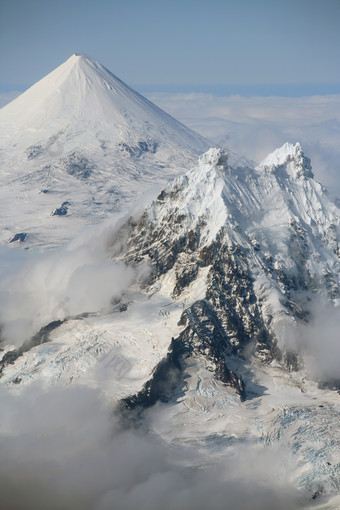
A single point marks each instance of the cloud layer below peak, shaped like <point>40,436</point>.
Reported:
<point>255,126</point>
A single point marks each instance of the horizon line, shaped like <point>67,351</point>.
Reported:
<point>223,90</point>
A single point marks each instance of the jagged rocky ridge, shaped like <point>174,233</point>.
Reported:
<point>265,240</point>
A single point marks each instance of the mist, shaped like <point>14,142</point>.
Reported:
<point>318,341</point>
<point>79,277</point>
<point>65,449</point>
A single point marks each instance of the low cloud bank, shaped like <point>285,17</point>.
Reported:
<point>64,449</point>
<point>255,126</point>
<point>80,277</point>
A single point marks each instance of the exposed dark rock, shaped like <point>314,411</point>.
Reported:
<point>185,278</point>
<point>292,361</point>
<point>227,322</point>
<point>62,210</point>
<point>204,337</point>
<point>78,165</point>
<point>20,237</point>
<point>9,358</point>
<point>43,334</point>
<point>193,240</point>
<point>165,381</point>
<point>318,494</point>
<point>161,197</point>
<point>140,148</point>
<point>34,151</point>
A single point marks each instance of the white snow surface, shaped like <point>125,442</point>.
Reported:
<point>82,136</point>
<point>289,157</point>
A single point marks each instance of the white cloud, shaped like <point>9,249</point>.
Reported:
<point>318,341</point>
<point>64,448</point>
<point>255,126</point>
<point>80,277</point>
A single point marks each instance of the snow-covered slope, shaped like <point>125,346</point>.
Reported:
<point>79,145</point>
<point>237,259</point>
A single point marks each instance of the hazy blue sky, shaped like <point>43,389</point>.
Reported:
<point>179,44</point>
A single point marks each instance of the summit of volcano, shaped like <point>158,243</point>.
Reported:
<point>79,145</point>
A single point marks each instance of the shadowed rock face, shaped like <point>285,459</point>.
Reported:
<point>223,324</point>
<point>20,237</point>
<point>203,337</point>
<point>62,210</point>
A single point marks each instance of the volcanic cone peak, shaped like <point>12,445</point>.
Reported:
<point>83,136</point>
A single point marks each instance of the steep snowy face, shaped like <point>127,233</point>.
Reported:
<point>289,160</point>
<point>80,144</point>
<point>264,241</point>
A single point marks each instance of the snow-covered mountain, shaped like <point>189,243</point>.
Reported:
<point>79,145</point>
<point>266,241</point>
<point>229,264</point>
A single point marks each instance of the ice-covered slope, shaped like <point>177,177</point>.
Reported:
<point>80,144</point>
